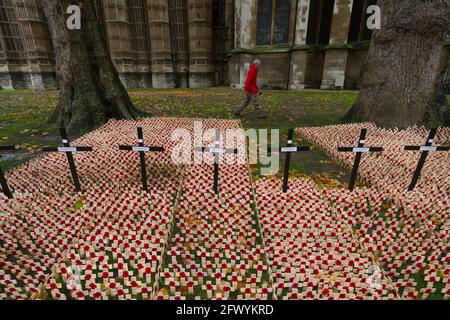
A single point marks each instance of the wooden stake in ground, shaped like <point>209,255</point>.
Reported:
<point>217,151</point>
<point>142,149</point>
<point>3,181</point>
<point>426,149</point>
<point>68,150</point>
<point>359,151</point>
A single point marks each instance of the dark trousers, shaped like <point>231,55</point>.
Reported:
<point>250,98</point>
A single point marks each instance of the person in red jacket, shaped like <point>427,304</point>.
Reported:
<point>252,91</point>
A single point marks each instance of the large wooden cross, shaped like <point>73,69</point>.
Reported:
<point>142,149</point>
<point>288,150</point>
<point>359,150</point>
<point>426,149</point>
<point>69,151</point>
<point>217,151</point>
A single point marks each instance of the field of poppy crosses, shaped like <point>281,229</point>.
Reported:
<point>180,240</point>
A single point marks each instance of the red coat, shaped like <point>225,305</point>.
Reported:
<point>250,83</point>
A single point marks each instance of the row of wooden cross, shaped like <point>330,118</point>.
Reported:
<point>217,150</point>
<point>360,149</point>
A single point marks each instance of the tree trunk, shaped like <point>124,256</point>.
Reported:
<point>402,81</point>
<point>90,88</point>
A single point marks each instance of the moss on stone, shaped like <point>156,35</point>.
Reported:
<point>333,46</point>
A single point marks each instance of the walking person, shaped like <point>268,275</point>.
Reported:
<point>252,91</point>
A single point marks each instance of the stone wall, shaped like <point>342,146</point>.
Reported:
<point>202,43</point>
<point>153,43</point>
<point>316,54</point>
<point>355,65</point>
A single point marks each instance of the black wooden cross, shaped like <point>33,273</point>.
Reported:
<point>288,150</point>
<point>142,149</point>
<point>3,181</point>
<point>426,149</point>
<point>69,151</point>
<point>359,151</point>
<point>216,150</point>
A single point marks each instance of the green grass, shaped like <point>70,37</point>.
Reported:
<point>23,115</point>
<point>23,122</point>
<point>286,109</point>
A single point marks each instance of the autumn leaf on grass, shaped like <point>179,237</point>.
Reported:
<point>184,290</point>
<point>441,274</point>
<point>163,292</point>
<point>33,148</point>
<point>78,205</point>
<point>386,204</point>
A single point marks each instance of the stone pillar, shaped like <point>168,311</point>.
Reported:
<point>162,64</point>
<point>140,42</point>
<point>228,40</point>
<point>201,53</point>
<point>180,42</point>
<point>5,77</point>
<point>37,45</point>
<point>118,30</point>
<point>299,52</point>
<point>16,58</point>
<point>247,27</point>
<point>244,40</point>
<point>220,38</point>
<point>337,51</point>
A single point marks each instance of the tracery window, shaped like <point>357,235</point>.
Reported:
<point>273,22</point>
<point>10,27</point>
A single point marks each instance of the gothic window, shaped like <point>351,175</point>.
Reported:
<point>43,39</point>
<point>116,18</point>
<point>319,22</point>
<point>35,35</point>
<point>219,13</point>
<point>358,23</point>
<point>281,21</point>
<point>272,26</point>
<point>178,19</point>
<point>100,14</point>
<point>10,27</point>
<point>139,24</point>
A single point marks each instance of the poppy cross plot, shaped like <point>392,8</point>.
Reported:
<point>69,151</point>
<point>359,152</point>
<point>288,150</point>
<point>142,149</point>
<point>217,151</point>
<point>426,149</point>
